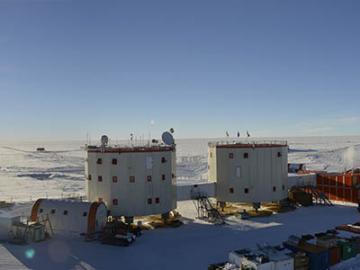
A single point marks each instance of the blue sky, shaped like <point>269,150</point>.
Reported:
<point>275,68</point>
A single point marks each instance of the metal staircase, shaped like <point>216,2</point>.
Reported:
<point>319,197</point>
<point>205,208</point>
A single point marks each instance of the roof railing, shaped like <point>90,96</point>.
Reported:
<point>249,142</point>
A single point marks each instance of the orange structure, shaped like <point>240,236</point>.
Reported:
<point>341,187</point>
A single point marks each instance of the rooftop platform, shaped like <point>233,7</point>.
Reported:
<point>248,144</point>
<point>129,148</point>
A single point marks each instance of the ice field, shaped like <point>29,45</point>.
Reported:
<point>26,174</point>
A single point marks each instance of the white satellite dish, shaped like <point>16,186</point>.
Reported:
<point>104,140</point>
<point>168,138</point>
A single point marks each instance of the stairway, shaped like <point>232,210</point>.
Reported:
<point>319,197</point>
<point>205,209</point>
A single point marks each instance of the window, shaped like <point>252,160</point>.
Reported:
<point>283,187</point>
<point>149,178</point>
<point>114,179</point>
<point>115,201</point>
<point>41,210</point>
<point>149,163</point>
<point>84,214</point>
<point>114,161</point>
<point>53,211</point>
<point>274,188</point>
<point>246,155</point>
<point>163,160</point>
<point>132,179</point>
<point>100,178</point>
<point>89,177</point>
<point>157,200</point>
<point>231,155</point>
<point>246,190</point>
<point>149,201</point>
<point>163,177</point>
<point>231,190</point>
<point>65,212</point>
<point>279,154</point>
<point>99,161</point>
<point>173,176</point>
<point>211,154</point>
<point>238,172</point>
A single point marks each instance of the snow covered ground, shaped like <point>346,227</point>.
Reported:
<point>27,175</point>
<point>192,246</point>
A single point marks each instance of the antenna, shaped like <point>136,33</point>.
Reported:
<point>104,140</point>
<point>168,138</point>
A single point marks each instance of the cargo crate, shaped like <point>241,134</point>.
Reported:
<point>348,249</point>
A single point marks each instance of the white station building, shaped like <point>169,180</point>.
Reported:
<point>132,180</point>
<point>70,216</point>
<point>251,172</point>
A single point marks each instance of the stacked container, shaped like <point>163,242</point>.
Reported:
<point>330,241</point>
<point>301,261</point>
<point>348,248</point>
<point>318,256</point>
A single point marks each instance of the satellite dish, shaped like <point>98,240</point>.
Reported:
<point>168,138</point>
<point>104,140</point>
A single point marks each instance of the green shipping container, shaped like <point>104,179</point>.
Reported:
<point>348,249</point>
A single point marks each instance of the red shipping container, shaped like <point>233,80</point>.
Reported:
<point>348,180</point>
<point>320,188</point>
<point>319,180</point>
<point>355,195</point>
<point>326,180</point>
<point>333,194</point>
<point>347,194</point>
<point>340,193</point>
<point>327,191</point>
<point>333,181</point>
<point>334,255</point>
<point>356,179</point>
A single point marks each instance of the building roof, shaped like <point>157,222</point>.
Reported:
<point>130,149</point>
<point>248,144</point>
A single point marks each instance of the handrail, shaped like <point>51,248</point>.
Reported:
<point>248,142</point>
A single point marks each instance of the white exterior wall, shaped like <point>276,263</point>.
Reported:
<point>132,197</point>
<point>257,266</point>
<point>259,173</point>
<point>302,179</point>
<point>75,221</point>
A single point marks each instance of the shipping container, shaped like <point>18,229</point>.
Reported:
<point>318,256</point>
<point>334,255</point>
<point>326,240</point>
<point>281,257</point>
<point>236,257</point>
<point>301,261</point>
<point>348,249</point>
<point>257,262</point>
